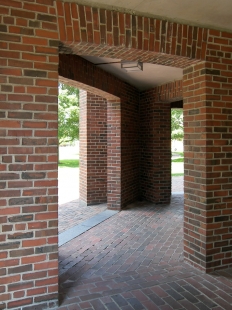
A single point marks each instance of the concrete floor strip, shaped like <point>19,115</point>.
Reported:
<point>77,230</point>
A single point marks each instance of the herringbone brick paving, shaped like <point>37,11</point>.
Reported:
<point>134,261</point>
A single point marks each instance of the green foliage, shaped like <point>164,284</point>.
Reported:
<point>68,114</point>
<point>69,163</point>
<point>177,124</point>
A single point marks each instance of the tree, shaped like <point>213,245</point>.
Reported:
<point>68,114</point>
<point>177,124</point>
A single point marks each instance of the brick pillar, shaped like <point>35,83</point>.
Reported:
<point>93,149</point>
<point>208,152</point>
<point>83,146</point>
<point>114,173</point>
<point>28,155</point>
<point>155,161</point>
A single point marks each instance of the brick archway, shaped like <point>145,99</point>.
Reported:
<point>99,32</point>
<point>153,104</point>
<point>30,34</point>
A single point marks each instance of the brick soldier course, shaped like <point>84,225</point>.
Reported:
<point>36,37</point>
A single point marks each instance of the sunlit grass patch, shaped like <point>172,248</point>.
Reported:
<point>68,163</point>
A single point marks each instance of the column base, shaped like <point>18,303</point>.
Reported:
<point>83,203</point>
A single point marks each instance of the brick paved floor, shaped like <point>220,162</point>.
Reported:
<point>71,214</point>
<point>134,261</point>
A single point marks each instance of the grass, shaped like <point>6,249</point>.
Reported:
<point>74,163</point>
<point>177,174</point>
<point>178,160</point>
<point>68,163</point>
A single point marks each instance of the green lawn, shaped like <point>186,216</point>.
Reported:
<point>178,160</point>
<point>74,163</point>
<point>177,174</point>
<point>69,163</point>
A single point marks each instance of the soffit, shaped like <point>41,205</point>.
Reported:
<point>151,76</point>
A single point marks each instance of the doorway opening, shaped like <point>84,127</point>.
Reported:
<point>76,146</point>
<point>177,147</point>
<point>68,154</point>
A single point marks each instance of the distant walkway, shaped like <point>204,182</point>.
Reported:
<point>177,184</point>
<point>68,184</point>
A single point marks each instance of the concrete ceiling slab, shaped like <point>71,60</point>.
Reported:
<point>151,76</point>
<point>215,14</point>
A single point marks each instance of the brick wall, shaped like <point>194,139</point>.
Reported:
<point>28,154</point>
<point>169,92</point>
<point>28,130</point>
<point>83,147</point>
<point>93,149</point>
<point>155,144</point>
<point>207,90</point>
<point>130,148</point>
<point>115,174</point>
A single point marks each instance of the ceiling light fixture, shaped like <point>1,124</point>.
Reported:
<point>131,66</point>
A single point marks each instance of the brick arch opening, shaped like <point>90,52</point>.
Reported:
<point>85,30</point>
<point>141,116</point>
<point>122,104</point>
<point>204,54</point>
<point>100,135</point>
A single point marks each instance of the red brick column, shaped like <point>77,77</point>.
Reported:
<point>93,149</point>
<point>114,168</point>
<point>155,144</point>
<point>83,146</point>
<point>28,154</point>
<point>208,152</point>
